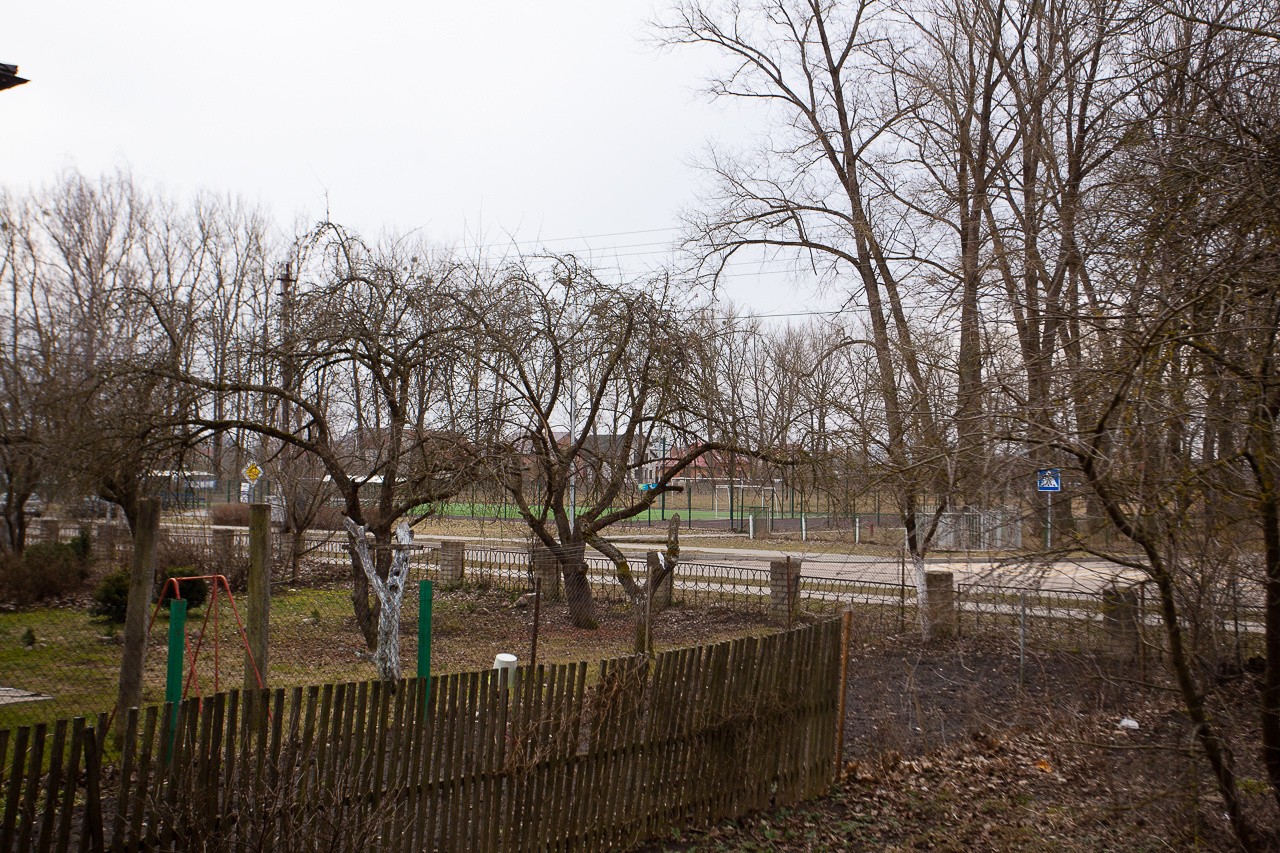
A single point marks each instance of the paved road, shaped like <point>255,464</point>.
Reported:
<point>1081,575</point>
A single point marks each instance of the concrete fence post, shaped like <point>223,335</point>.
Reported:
<point>546,569</point>
<point>940,592</point>
<point>784,588</point>
<point>453,558</point>
<point>109,536</point>
<point>50,528</point>
<point>1120,622</point>
<point>224,544</point>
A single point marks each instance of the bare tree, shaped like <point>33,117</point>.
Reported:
<point>111,280</point>
<point>368,375</point>
<point>815,191</point>
<point>583,377</point>
<point>26,383</point>
<point>1187,402</point>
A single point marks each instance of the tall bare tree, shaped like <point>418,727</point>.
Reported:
<point>368,374</point>
<point>584,377</point>
<point>815,190</point>
<point>1192,206</point>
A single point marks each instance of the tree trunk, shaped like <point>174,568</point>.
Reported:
<point>389,592</point>
<point>922,595</point>
<point>364,603</point>
<point>366,615</point>
<point>297,543</point>
<point>1268,510</point>
<point>16,530</point>
<point>577,589</point>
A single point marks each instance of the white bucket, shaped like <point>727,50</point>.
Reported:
<point>504,661</point>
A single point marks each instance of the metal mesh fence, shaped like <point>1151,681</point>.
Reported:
<point>61,661</point>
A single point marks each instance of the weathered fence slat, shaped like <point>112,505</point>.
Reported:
<point>137,798</point>
<point>52,788</point>
<point>530,759</point>
<point>70,780</point>
<point>14,793</point>
<point>26,824</point>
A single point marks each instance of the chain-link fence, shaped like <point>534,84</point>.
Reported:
<point>62,658</point>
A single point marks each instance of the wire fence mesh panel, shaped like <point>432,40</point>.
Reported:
<point>63,659</point>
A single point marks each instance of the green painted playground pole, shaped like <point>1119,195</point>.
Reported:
<point>177,651</point>
<point>424,633</point>
<point>177,661</point>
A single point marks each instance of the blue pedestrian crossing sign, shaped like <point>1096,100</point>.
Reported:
<point>1048,480</point>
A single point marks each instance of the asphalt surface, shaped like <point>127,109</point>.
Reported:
<point>1079,575</point>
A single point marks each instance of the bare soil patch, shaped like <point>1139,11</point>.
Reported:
<point>946,750</point>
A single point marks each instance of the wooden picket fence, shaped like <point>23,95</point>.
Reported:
<point>480,761</point>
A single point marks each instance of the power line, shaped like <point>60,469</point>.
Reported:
<point>566,239</point>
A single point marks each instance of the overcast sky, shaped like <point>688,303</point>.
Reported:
<point>553,123</point>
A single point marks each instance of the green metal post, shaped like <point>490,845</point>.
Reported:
<point>174,671</point>
<point>424,630</point>
<point>177,651</point>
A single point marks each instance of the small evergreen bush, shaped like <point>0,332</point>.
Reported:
<point>111,598</point>
<point>193,592</point>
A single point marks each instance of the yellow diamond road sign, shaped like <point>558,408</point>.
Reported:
<point>252,472</point>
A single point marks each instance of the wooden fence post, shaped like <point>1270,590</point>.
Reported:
<point>663,591</point>
<point>258,621</point>
<point>142,579</point>
<point>93,828</point>
<point>846,629</point>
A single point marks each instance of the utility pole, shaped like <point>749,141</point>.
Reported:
<point>291,512</point>
<point>288,379</point>
<point>662,467</point>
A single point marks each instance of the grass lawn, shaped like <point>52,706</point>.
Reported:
<point>76,659</point>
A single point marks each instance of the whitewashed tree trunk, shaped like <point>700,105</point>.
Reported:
<point>922,596</point>
<point>390,593</point>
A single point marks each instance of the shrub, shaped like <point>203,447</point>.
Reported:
<point>232,515</point>
<point>80,545</point>
<point>208,559</point>
<point>45,570</point>
<point>328,518</point>
<point>111,597</point>
<point>193,592</point>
